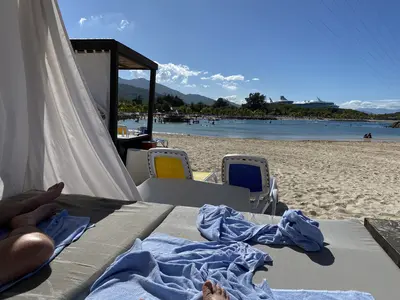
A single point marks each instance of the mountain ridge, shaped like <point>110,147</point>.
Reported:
<point>142,84</point>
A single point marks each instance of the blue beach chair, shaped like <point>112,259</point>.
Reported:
<point>251,172</point>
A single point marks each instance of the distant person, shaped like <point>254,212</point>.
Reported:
<point>366,136</point>
<point>370,135</point>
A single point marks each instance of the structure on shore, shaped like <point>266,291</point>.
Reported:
<point>305,104</point>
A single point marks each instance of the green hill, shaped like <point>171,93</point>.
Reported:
<point>129,92</point>
<point>141,87</point>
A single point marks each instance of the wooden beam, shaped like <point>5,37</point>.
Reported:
<point>130,54</point>
<point>152,100</point>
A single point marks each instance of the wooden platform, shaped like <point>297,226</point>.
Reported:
<point>387,234</point>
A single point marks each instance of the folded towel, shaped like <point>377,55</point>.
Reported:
<point>63,229</point>
<point>224,224</point>
<point>165,267</point>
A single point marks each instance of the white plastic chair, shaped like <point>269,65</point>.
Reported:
<point>174,163</point>
<point>251,172</point>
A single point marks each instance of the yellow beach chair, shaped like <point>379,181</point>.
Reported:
<point>174,163</point>
<point>122,130</point>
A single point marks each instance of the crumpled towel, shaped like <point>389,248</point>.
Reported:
<point>224,224</point>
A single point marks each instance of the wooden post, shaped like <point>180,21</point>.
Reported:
<point>113,118</point>
<point>152,95</point>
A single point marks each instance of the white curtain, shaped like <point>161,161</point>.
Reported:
<point>50,129</point>
<point>95,69</point>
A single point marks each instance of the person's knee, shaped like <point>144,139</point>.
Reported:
<point>35,247</point>
<point>22,254</point>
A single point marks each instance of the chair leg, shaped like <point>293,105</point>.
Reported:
<point>215,178</point>
<point>273,212</point>
<point>266,206</point>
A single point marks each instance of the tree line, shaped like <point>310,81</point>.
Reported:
<point>255,106</point>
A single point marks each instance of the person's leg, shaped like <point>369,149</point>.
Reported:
<point>213,292</point>
<point>10,209</point>
<point>26,248</point>
<point>23,252</point>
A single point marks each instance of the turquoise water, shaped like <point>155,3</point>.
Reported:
<point>279,130</point>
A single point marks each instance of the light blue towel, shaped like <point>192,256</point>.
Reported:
<point>320,295</point>
<point>224,224</point>
<point>63,229</point>
<point>165,267</point>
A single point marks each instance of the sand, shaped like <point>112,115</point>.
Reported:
<point>328,180</point>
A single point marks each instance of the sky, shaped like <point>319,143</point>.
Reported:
<point>345,51</point>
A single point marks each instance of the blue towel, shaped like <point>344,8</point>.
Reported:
<point>165,267</point>
<point>63,229</point>
<point>224,224</point>
<point>320,295</point>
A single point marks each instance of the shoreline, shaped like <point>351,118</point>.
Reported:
<point>128,116</point>
<point>288,140</point>
<point>325,179</point>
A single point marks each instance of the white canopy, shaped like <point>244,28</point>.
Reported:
<point>50,129</point>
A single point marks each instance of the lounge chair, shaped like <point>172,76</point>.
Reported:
<point>122,130</point>
<point>117,224</point>
<point>351,259</point>
<point>251,172</point>
<point>162,142</point>
<point>174,163</point>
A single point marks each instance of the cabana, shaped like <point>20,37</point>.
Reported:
<point>100,60</point>
<point>51,130</point>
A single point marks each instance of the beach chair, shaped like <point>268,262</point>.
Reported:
<point>163,143</point>
<point>174,163</point>
<point>251,172</point>
<point>122,130</point>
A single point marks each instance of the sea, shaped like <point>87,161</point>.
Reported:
<point>278,129</point>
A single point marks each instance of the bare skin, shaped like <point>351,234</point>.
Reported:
<point>26,248</point>
<point>213,292</point>
<point>9,210</point>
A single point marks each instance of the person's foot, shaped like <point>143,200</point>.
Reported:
<point>34,217</point>
<point>213,292</point>
<point>55,190</point>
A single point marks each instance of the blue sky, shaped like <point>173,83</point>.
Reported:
<point>344,51</point>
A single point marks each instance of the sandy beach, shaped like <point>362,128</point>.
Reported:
<point>328,180</point>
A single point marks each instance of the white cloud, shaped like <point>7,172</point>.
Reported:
<point>205,73</point>
<point>82,21</point>
<point>111,21</point>
<point>224,78</point>
<point>255,79</point>
<point>140,74</point>
<point>229,86</point>
<point>234,99</point>
<point>171,73</point>
<point>247,80</point>
<point>230,98</point>
<point>123,24</point>
<point>392,104</point>
<point>204,86</point>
